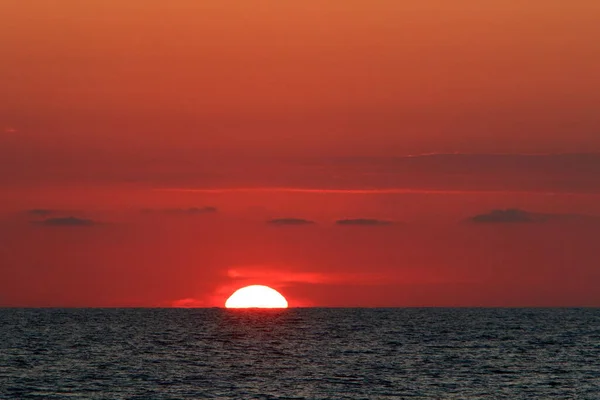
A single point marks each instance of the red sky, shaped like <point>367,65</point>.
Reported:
<point>127,113</point>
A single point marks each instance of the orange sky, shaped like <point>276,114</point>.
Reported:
<point>428,113</point>
<point>349,77</point>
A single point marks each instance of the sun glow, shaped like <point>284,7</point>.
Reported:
<point>256,296</point>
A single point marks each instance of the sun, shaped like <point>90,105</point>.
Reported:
<point>256,296</point>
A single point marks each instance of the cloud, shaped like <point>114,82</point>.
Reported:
<point>198,210</point>
<point>188,303</point>
<point>276,275</point>
<point>515,215</point>
<point>363,222</point>
<point>509,215</point>
<point>290,221</point>
<point>67,221</point>
<point>40,212</point>
<point>315,190</point>
<point>436,174</point>
<point>183,211</point>
<point>279,275</point>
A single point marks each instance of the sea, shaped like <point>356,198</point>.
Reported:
<point>310,353</point>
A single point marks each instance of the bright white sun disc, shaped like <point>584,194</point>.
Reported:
<point>256,296</point>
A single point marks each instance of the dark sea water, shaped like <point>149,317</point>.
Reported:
<point>300,354</point>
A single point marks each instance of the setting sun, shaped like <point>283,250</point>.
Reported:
<point>256,296</point>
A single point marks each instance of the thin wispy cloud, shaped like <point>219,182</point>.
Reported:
<point>41,212</point>
<point>382,191</point>
<point>188,302</point>
<point>363,222</point>
<point>515,215</point>
<point>510,215</point>
<point>290,221</point>
<point>182,211</point>
<point>66,222</point>
<point>278,275</point>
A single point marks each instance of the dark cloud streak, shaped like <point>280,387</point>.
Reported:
<point>40,212</point>
<point>509,215</point>
<point>363,222</point>
<point>66,221</point>
<point>515,215</point>
<point>183,211</point>
<point>290,221</point>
